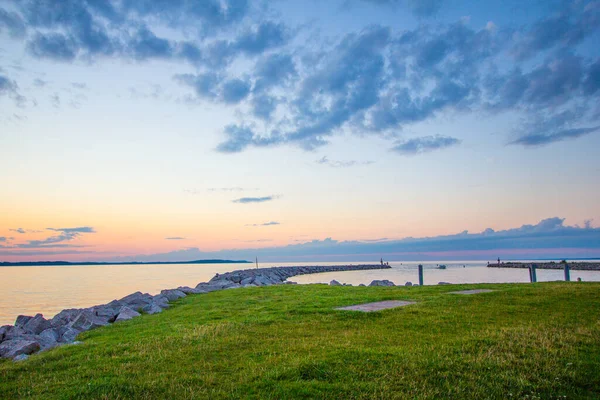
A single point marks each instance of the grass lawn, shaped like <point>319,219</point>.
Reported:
<point>520,341</point>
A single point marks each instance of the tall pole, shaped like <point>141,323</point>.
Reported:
<point>420,275</point>
<point>533,274</point>
<point>567,273</point>
<point>256,262</point>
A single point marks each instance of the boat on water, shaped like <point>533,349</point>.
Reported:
<point>442,266</point>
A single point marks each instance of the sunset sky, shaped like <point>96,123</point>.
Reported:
<point>182,129</point>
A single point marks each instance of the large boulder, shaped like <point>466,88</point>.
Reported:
<point>408,284</point>
<point>13,348</point>
<point>4,330</point>
<point>152,308</point>
<point>68,334</point>
<point>161,301</point>
<point>172,294</point>
<point>64,317</point>
<point>334,283</point>
<point>189,290</point>
<point>50,335</point>
<point>262,280</point>
<point>246,281</point>
<point>126,313</point>
<point>22,320</point>
<point>383,282</point>
<point>37,324</point>
<point>86,320</point>
<point>107,312</point>
<point>137,300</point>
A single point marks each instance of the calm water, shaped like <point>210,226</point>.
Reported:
<point>29,290</point>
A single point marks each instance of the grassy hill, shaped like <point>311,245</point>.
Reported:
<point>520,341</point>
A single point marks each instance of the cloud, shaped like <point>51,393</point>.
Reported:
<point>535,240</point>
<point>540,139</point>
<point>271,223</point>
<point>424,144</point>
<point>65,235</point>
<point>420,8</point>
<point>341,164</point>
<point>565,29</point>
<point>247,200</point>
<point>55,46</point>
<point>235,90</point>
<point>13,23</point>
<point>175,238</point>
<point>23,231</point>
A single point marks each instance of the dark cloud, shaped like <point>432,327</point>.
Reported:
<point>265,36</point>
<point>270,223</point>
<point>7,86</point>
<point>274,70</point>
<point>263,106</point>
<point>175,238</point>
<point>565,29</point>
<point>55,46</point>
<point>591,84</point>
<point>341,164</point>
<point>247,200</point>
<point>424,144</point>
<point>145,45</point>
<point>420,8</point>
<point>13,23</point>
<point>235,90</point>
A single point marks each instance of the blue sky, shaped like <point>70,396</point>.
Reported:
<point>138,127</point>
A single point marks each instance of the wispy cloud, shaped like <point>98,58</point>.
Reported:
<point>65,235</point>
<point>424,144</point>
<point>247,200</point>
<point>175,238</point>
<point>271,223</point>
<point>341,164</point>
<point>540,139</point>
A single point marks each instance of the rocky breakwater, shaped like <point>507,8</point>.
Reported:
<point>32,334</point>
<point>577,266</point>
<point>275,275</point>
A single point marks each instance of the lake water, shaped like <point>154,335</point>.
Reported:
<point>48,290</point>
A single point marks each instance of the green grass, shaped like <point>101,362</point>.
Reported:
<point>521,341</point>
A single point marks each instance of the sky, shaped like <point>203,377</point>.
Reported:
<point>296,130</point>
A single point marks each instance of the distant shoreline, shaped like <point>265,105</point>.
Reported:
<point>66,263</point>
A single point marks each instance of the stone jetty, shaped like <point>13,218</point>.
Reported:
<point>577,266</point>
<point>32,334</point>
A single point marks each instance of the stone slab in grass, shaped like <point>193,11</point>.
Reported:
<point>472,291</point>
<point>380,305</point>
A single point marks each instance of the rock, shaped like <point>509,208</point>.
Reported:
<point>189,290</point>
<point>334,283</point>
<point>126,313</point>
<point>444,283</point>
<point>408,284</point>
<point>13,332</point>
<point>291,283</point>
<point>106,312</point>
<point>68,334</point>
<point>86,320</point>
<point>161,301</point>
<point>65,317</point>
<point>37,324</point>
<point>22,320</point>
<point>262,280</point>
<point>362,284</point>
<point>13,348</point>
<point>347,284</point>
<point>50,334</point>
<point>137,300</point>
<point>152,308</point>
<point>247,281</point>
<point>172,294</point>
<point>383,282</point>
<point>4,330</point>
<point>21,357</point>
